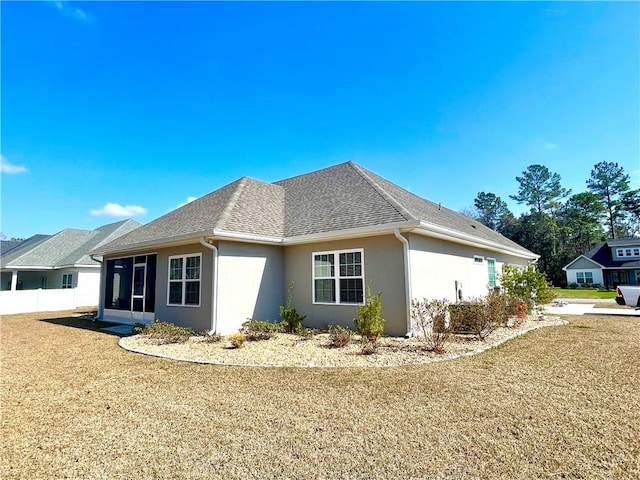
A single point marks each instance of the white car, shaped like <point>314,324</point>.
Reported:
<point>628,295</point>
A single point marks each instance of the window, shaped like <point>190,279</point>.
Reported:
<point>478,260</point>
<point>636,252</point>
<point>620,252</point>
<point>184,280</point>
<point>584,277</point>
<point>67,280</point>
<point>344,284</point>
<point>627,252</point>
<point>491,266</point>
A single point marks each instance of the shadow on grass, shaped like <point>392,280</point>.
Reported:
<point>84,322</point>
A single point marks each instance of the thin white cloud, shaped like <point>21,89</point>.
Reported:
<point>7,167</point>
<point>550,146</point>
<point>117,210</point>
<point>189,200</point>
<point>68,10</point>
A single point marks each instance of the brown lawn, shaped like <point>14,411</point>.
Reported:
<point>560,402</point>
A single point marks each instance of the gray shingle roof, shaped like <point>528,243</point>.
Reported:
<point>341,197</point>
<point>68,247</point>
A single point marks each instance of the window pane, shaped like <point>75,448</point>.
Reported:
<point>138,281</point>
<point>325,290</point>
<point>351,264</point>
<point>351,290</point>
<point>192,295</point>
<point>324,266</point>
<point>175,269</point>
<point>193,268</point>
<point>175,292</point>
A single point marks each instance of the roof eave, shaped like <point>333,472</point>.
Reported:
<point>437,231</point>
<point>348,233</point>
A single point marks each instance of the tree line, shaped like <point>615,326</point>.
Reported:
<point>560,225</point>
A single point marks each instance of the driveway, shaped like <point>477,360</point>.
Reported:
<point>587,306</point>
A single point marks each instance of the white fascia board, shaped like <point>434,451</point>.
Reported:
<point>430,229</point>
<point>568,265</point>
<point>76,265</point>
<point>29,267</point>
<point>387,228</point>
<point>154,244</point>
<point>246,237</point>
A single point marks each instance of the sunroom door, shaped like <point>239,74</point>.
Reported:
<point>138,294</point>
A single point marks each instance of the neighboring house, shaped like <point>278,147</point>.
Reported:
<point>609,264</point>
<point>231,255</point>
<point>55,272</point>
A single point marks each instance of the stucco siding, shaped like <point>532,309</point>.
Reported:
<point>196,317</point>
<point>383,272</point>
<point>437,265</point>
<point>250,284</point>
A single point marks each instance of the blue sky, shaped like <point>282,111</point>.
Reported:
<point>123,108</point>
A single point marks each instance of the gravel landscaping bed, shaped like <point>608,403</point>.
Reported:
<point>288,350</point>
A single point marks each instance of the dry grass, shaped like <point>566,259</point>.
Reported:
<point>560,402</point>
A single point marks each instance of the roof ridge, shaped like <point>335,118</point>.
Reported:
<point>382,192</point>
<point>224,216</point>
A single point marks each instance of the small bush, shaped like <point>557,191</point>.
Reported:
<point>370,323</point>
<point>211,338</point>
<point>162,333</point>
<point>256,330</point>
<point>237,340</point>
<point>339,336</point>
<point>430,321</point>
<point>521,310</point>
<point>291,319</point>
<point>528,284</point>
<point>472,316</point>
<point>368,345</point>
<point>573,286</point>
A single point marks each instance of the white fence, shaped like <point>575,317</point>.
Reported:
<point>26,301</point>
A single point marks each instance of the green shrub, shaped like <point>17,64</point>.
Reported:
<point>370,323</point>
<point>256,330</point>
<point>237,340</point>
<point>291,319</point>
<point>528,284</point>
<point>430,323</point>
<point>162,333</point>
<point>339,336</point>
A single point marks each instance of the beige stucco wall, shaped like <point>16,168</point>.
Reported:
<point>436,265</point>
<point>383,272</point>
<point>198,318</point>
<point>250,284</point>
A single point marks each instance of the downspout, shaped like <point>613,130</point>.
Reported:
<point>99,313</point>
<point>214,285</point>
<point>407,277</point>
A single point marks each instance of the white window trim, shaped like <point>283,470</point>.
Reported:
<point>478,260</point>
<point>67,276</point>
<point>337,276</point>
<point>183,280</point>
<point>584,274</point>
